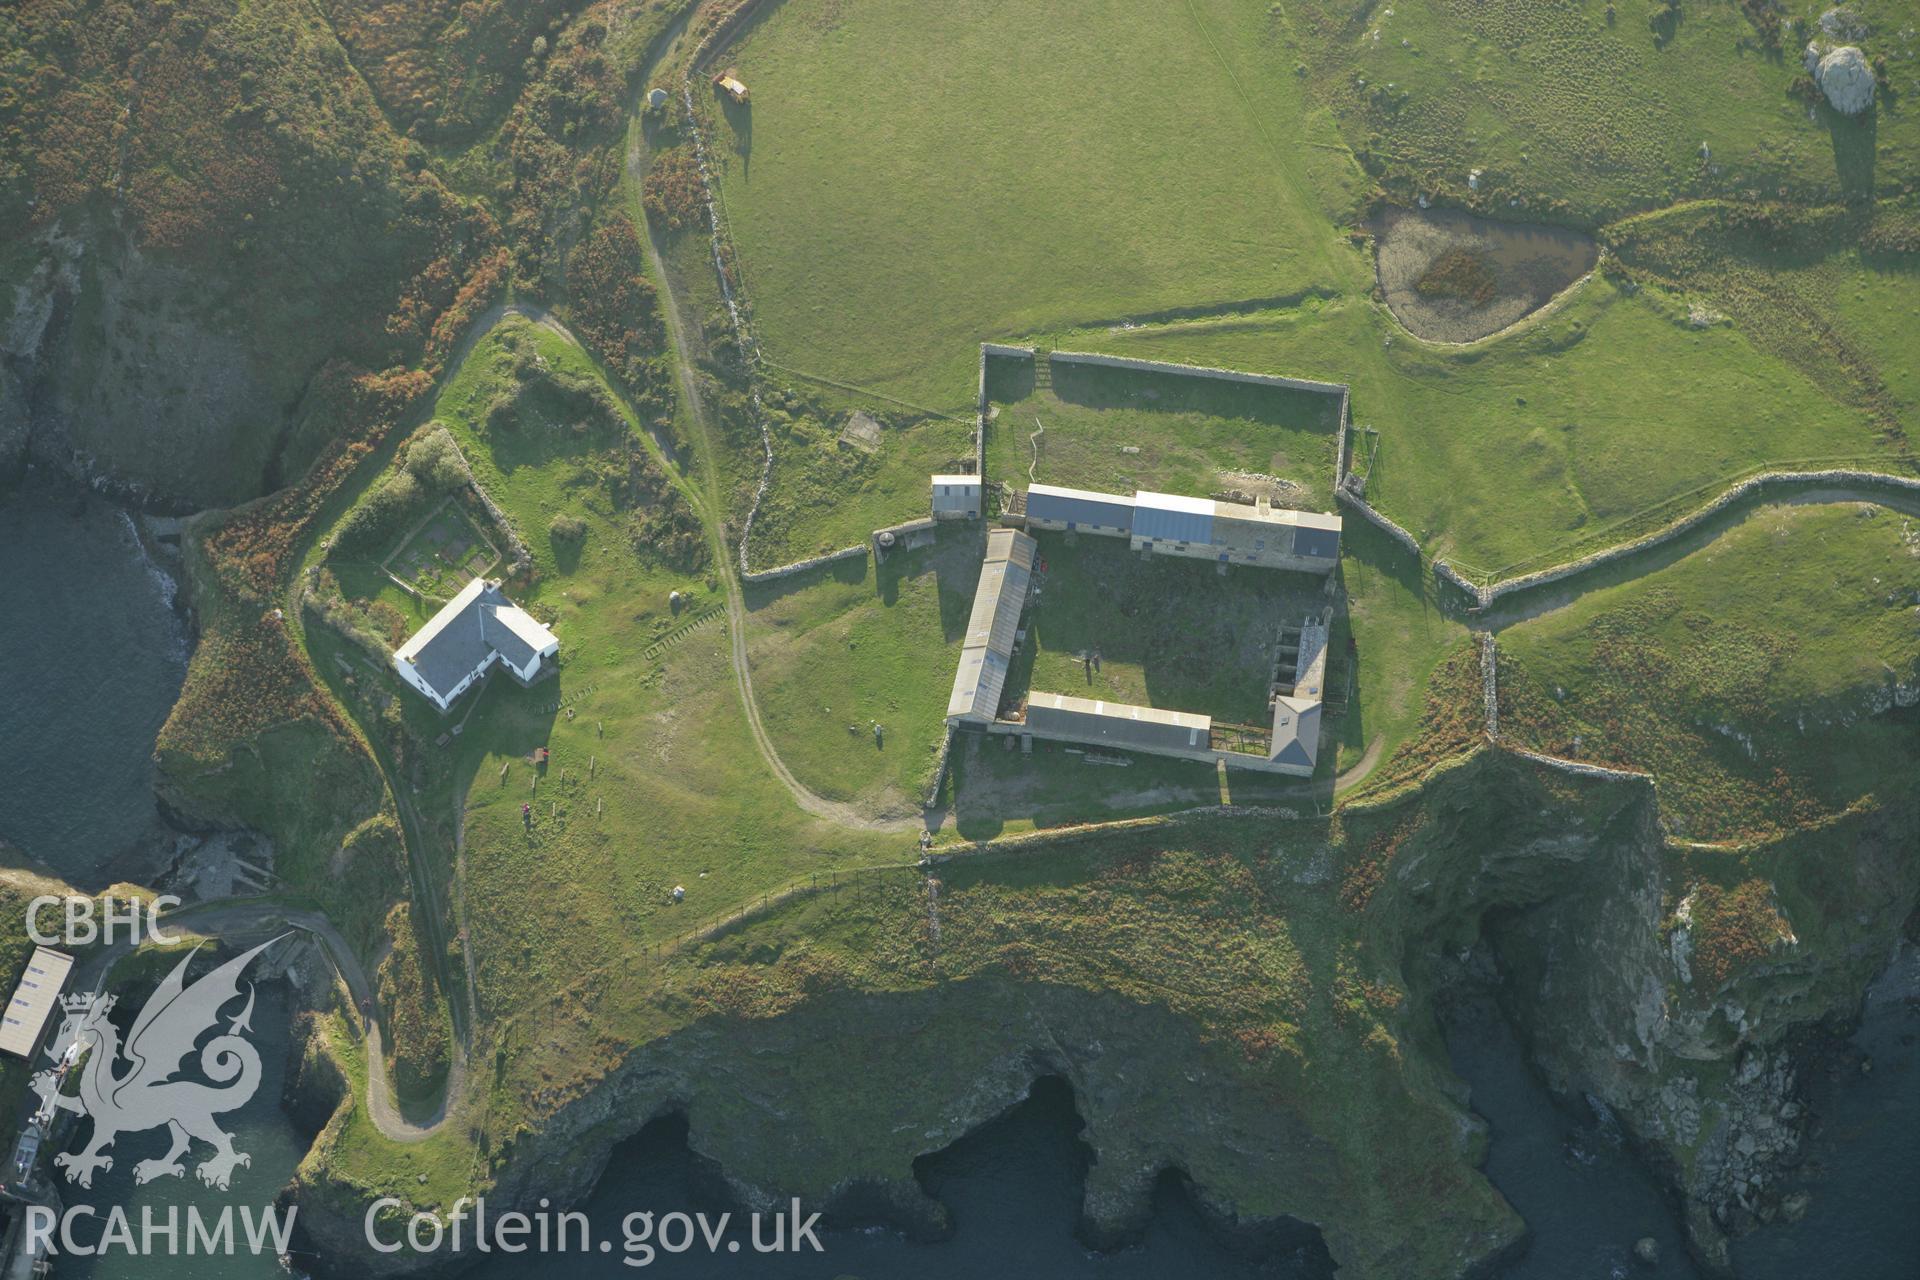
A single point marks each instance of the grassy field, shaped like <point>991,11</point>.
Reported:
<point>652,779</point>
<point>1118,430</point>
<point>908,181</point>
<point>1552,439</point>
<point>1746,676</point>
<point>1585,110</point>
<point>1170,632</point>
<point>835,650</point>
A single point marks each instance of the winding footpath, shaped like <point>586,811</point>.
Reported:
<point>256,919</point>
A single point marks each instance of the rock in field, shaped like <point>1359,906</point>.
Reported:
<point>1845,78</point>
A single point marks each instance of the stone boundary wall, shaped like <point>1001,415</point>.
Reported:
<point>800,566</point>
<point>1580,769</point>
<point>1199,371</point>
<point>516,549</point>
<point>1340,443</point>
<point>749,352</point>
<point>1745,489</point>
<point>984,407</point>
<point>1392,530</point>
<point>931,795</point>
<point>921,525</point>
<point>1490,683</point>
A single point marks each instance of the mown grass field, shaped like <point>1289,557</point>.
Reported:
<point>909,180</point>
<point>837,649</point>
<point>1119,430</point>
<point>1746,677</point>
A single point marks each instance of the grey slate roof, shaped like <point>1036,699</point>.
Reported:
<point>1172,517</point>
<point>1322,544</point>
<point>1296,731</point>
<point>463,636</point>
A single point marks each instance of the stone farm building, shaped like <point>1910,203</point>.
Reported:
<point>956,497</point>
<point>1200,528</point>
<point>1158,523</point>
<point>987,648</point>
<point>477,629</point>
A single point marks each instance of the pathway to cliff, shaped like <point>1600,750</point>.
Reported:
<point>237,919</point>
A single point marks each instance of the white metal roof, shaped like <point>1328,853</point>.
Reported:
<point>34,1000</point>
<point>972,482</point>
<point>1117,710</point>
<point>1174,502</point>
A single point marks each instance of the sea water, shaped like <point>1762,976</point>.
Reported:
<point>92,656</point>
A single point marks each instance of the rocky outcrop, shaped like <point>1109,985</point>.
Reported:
<point>1566,881</point>
<point>141,377</point>
<point>1844,76</point>
<point>1600,973</point>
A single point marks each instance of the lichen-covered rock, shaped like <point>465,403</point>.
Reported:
<point>1846,79</point>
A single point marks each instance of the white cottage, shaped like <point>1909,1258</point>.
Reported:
<point>477,629</point>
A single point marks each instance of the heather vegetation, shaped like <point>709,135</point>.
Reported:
<point>1753,678</point>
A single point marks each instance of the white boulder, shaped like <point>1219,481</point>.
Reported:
<point>1846,79</point>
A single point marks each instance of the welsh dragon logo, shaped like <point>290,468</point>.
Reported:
<point>146,1094</point>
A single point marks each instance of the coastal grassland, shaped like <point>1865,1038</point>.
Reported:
<point>653,780</point>
<point>836,649</point>
<point>1829,289</point>
<point>1582,111</point>
<point>1118,430</point>
<point>1753,678</point>
<point>1190,982</point>
<point>906,182</point>
<point>835,480</point>
<point>1604,418</point>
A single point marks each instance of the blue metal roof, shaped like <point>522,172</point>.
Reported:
<point>1323,544</point>
<point>1077,506</point>
<point>1170,524</point>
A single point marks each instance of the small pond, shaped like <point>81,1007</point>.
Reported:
<point>1449,276</point>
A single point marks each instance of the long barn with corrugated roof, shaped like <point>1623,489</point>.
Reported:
<point>987,648</point>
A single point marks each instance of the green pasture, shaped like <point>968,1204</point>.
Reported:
<point>910,179</point>
<point>652,780</point>
<point>837,649</point>
<point>1582,110</point>
<point>1607,415</point>
<point>1118,430</point>
<point>831,489</point>
<point>1170,632</point>
<point>1750,677</point>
